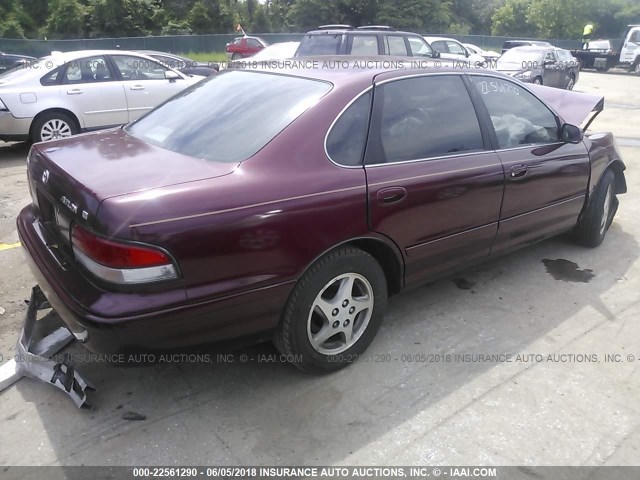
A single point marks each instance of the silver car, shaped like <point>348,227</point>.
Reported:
<point>67,93</point>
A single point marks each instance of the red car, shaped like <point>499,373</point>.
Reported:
<point>351,187</point>
<point>243,47</point>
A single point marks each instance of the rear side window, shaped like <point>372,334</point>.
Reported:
<point>229,117</point>
<point>426,117</point>
<point>419,47</point>
<point>323,44</point>
<point>439,46</point>
<point>364,45</point>
<point>518,117</point>
<point>346,141</point>
<point>396,45</point>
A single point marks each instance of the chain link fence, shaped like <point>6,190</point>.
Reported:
<point>207,43</point>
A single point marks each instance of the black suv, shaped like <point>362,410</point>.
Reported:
<point>8,61</point>
<point>363,41</point>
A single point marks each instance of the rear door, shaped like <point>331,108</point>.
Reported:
<point>545,178</point>
<point>144,82</point>
<point>90,87</point>
<point>434,185</point>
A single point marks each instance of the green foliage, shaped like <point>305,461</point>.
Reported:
<point>66,19</point>
<point>117,18</point>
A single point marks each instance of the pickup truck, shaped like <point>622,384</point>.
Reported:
<point>605,54</point>
<point>9,61</point>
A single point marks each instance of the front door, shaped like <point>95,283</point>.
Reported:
<point>434,185</point>
<point>145,84</point>
<point>90,87</point>
<point>545,178</point>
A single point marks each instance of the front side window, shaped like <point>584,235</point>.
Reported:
<point>252,42</point>
<point>87,70</point>
<point>455,47</point>
<point>440,46</point>
<point>138,68</point>
<point>550,57</point>
<point>518,117</point>
<point>427,117</point>
<point>419,47</point>
<point>210,119</point>
<point>346,141</point>
<point>364,45</point>
<point>396,45</point>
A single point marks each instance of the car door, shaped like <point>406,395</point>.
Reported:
<point>144,83</point>
<point>551,70</point>
<point>545,178</point>
<point>434,185</point>
<point>90,88</point>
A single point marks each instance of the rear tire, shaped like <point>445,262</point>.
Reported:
<point>593,226</point>
<point>334,311</point>
<point>53,126</point>
<point>236,56</point>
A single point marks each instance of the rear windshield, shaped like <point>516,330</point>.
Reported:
<point>229,117</point>
<point>322,44</point>
<point>518,56</point>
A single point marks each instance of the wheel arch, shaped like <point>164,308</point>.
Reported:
<point>66,111</point>
<point>385,252</point>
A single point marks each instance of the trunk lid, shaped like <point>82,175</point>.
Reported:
<point>70,178</point>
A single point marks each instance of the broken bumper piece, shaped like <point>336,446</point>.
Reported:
<point>33,350</point>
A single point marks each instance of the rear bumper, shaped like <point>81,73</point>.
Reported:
<point>12,128</point>
<point>115,322</point>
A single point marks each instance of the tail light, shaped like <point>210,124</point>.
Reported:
<point>119,262</point>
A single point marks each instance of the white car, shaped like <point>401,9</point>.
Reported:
<point>67,93</point>
<point>453,50</point>
<point>277,51</point>
<point>488,55</point>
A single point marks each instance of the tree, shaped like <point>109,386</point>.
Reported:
<point>554,20</point>
<point>421,16</point>
<point>66,19</point>
<point>512,19</point>
<point>117,18</point>
<point>199,18</point>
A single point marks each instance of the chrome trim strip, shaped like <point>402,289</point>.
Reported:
<point>235,209</point>
<point>335,120</point>
<point>470,153</point>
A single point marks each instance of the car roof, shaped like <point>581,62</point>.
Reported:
<point>359,31</point>
<point>532,48</point>
<point>76,54</point>
<point>438,39</point>
<point>389,66</point>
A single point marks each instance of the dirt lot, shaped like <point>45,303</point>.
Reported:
<point>570,408</point>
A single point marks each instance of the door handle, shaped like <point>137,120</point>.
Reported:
<point>75,91</point>
<point>136,87</point>
<point>390,195</point>
<point>519,171</point>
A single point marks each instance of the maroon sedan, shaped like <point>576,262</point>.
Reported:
<point>290,205</point>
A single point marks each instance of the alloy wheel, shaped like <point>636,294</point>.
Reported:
<point>55,129</point>
<point>340,314</point>
<point>606,210</point>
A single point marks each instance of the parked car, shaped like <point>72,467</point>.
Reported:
<point>509,44</point>
<point>245,46</point>
<point>454,50</point>
<point>549,66</point>
<point>488,55</point>
<point>9,61</point>
<point>276,51</point>
<point>370,40</point>
<point>297,232</point>
<point>67,93</point>
<point>184,64</point>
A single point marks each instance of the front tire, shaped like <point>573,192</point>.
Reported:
<point>593,227</point>
<point>334,311</point>
<point>571,83</point>
<point>53,126</point>
<point>537,80</point>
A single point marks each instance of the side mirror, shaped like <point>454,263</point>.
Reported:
<point>171,75</point>
<point>570,133</point>
<point>436,54</point>
<point>548,63</point>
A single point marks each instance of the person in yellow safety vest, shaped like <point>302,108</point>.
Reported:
<point>586,36</point>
